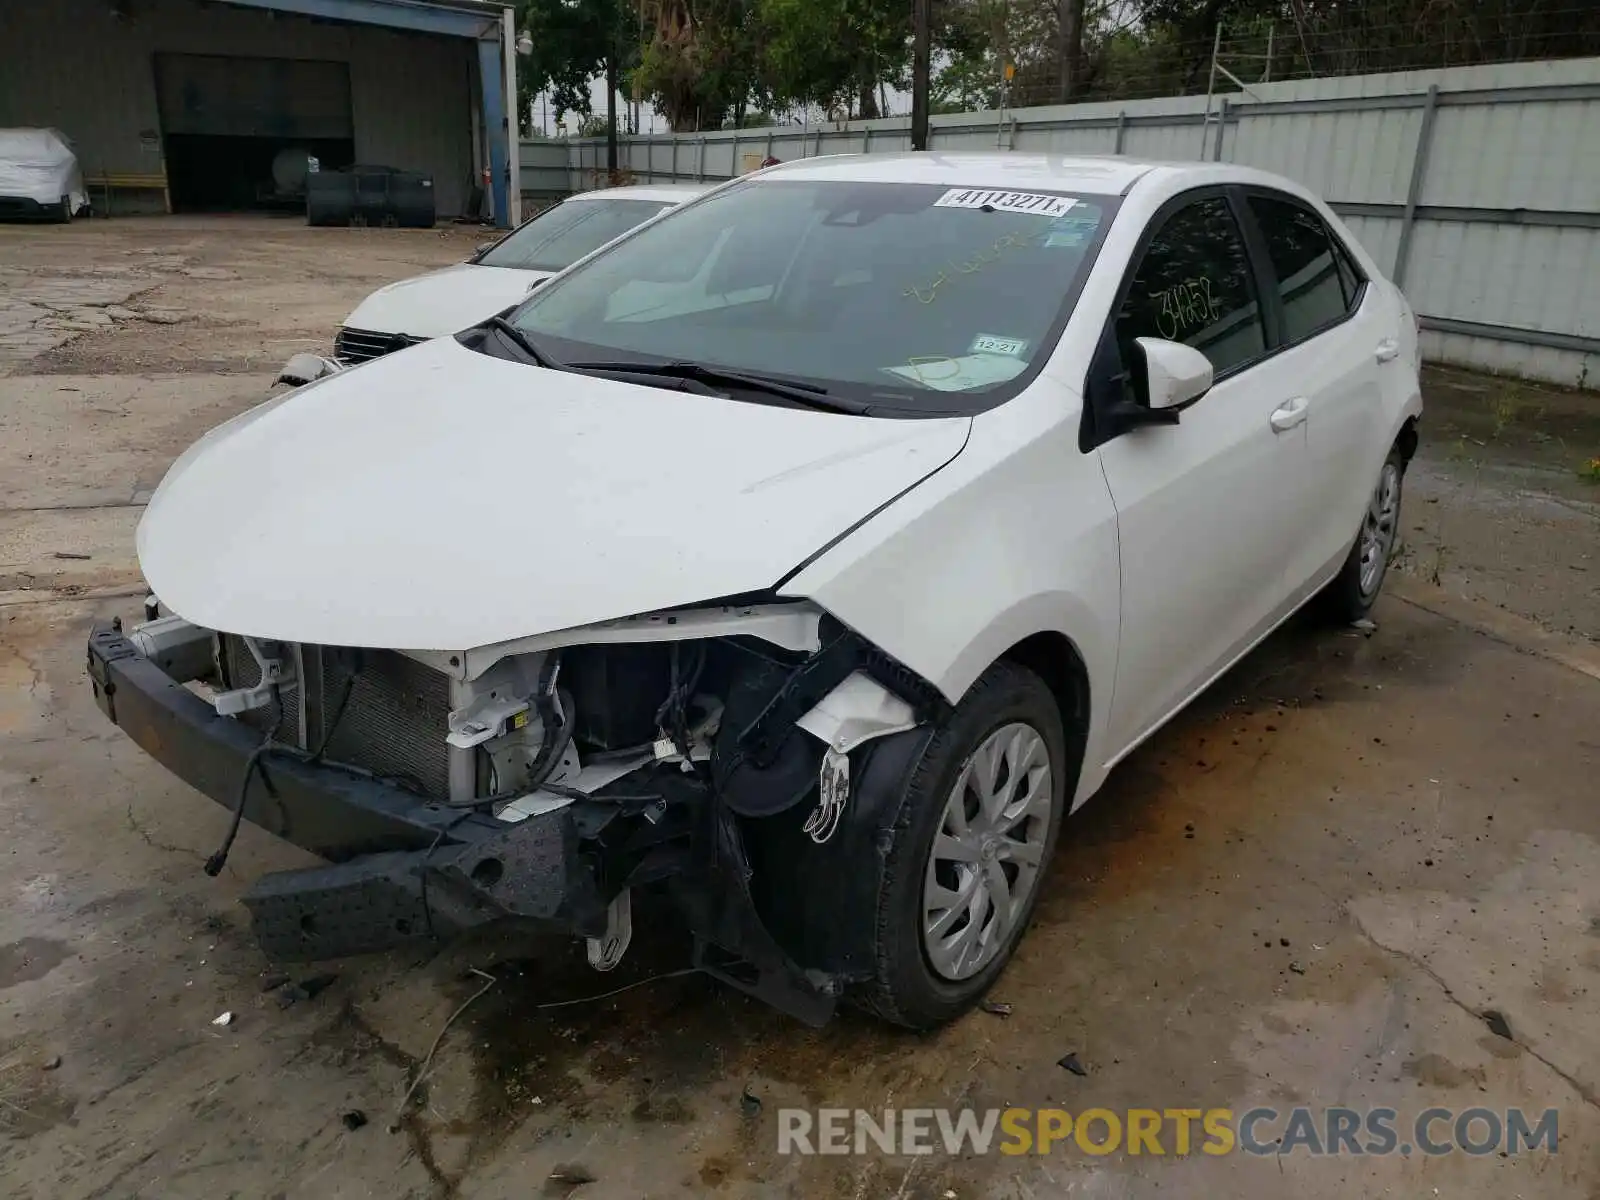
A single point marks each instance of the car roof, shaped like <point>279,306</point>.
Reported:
<point>1004,169</point>
<point>1012,169</point>
<point>677,193</point>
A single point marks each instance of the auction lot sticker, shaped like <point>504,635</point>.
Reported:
<point>1037,203</point>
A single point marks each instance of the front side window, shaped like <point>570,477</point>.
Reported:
<point>1315,287</point>
<point>1194,286</point>
<point>560,236</point>
<point>912,295</point>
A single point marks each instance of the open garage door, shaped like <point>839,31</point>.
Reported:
<point>238,130</point>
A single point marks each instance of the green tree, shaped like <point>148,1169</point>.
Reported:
<point>837,54</point>
<point>574,43</point>
<point>701,60</point>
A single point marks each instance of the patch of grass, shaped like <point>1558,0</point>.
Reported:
<point>1590,471</point>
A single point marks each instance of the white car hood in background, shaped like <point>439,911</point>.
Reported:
<point>39,165</point>
<point>443,302</point>
<point>440,499</point>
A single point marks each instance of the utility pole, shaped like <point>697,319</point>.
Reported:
<point>920,68</point>
<point>1070,52</point>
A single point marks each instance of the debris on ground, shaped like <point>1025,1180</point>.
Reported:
<point>572,1174</point>
<point>996,1008</point>
<point>53,1063</point>
<point>354,1119</point>
<point>272,983</point>
<point>1298,968</point>
<point>223,1019</point>
<point>1071,1063</point>
<point>749,1104</point>
<point>1365,626</point>
<point>290,994</point>
<point>1497,1023</point>
<point>68,554</point>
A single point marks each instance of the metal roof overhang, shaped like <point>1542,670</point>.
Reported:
<point>456,18</point>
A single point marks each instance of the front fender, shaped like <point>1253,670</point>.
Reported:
<point>1001,544</point>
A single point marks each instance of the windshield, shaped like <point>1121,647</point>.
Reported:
<point>927,297</point>
<point>560,236</point>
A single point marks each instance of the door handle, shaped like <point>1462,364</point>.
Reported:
<point>1289,414</point>
<point>1387,350</point>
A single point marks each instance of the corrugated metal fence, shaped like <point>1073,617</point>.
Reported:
<point>1478,187</point>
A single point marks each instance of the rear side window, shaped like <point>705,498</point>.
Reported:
<point>1194,286</point>
<point>1316,281</point>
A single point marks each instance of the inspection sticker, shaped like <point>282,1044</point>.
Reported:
<point>1017,202</point>
<point>987,343</point>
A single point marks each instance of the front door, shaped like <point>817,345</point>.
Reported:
<point>1207,508</point>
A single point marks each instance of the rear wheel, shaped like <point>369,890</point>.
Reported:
<point>1355,589</point>
<point>974,836</point>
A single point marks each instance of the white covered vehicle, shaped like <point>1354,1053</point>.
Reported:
<point>801,561</point>
<point>39,175</point>
<point>502,274</point>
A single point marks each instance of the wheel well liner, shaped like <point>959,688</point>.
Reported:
<point>1053,658</point>
<point>1407,439</point>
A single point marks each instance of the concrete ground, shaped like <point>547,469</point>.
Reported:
<point>1307,890</point>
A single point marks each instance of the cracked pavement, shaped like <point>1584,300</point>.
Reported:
<point>1308,889</point>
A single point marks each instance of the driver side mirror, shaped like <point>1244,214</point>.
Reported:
<point>1175,375</point>
<point>1171,377</point>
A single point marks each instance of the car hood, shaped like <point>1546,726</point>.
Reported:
<point>441,499</point>
<point>443,302</point>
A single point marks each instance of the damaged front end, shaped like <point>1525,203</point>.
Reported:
<point>739,762</point>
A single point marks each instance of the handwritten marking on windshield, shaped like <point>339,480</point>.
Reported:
<point>980,260</point>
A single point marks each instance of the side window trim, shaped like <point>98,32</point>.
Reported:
<point>1266,274</point>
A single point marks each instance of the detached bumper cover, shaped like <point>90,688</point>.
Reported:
<point>407,869</point>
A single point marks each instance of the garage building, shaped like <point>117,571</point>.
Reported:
<point>187,105</point>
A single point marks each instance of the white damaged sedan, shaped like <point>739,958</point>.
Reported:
<point>799,561</point>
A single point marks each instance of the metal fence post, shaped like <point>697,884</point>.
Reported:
<point>733,159</point>
<point>866,140</point>
<point>700,162</point>
<point>1222,128</point>
<point>1419,172</point>
<point>674,158</point>
<point>1122,130</point>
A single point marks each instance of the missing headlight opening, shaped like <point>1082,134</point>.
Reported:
<point>685,758</point>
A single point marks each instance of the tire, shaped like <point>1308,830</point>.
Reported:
<point>1354,590</point>
<point>1009,711</point>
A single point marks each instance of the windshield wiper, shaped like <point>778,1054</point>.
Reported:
<point>808,395</point>
<point>520,340</point>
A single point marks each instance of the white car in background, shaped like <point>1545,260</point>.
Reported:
<point>40,175</point>
<point>501,274</point>
<point>806,589</point>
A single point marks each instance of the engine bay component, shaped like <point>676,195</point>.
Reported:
<point>275,670</point>
<point>606,951</point>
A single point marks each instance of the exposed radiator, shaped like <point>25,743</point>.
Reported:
<point>394,724</point>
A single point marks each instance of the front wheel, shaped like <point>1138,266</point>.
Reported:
<point>974,835</point>
<point>1355,589</point>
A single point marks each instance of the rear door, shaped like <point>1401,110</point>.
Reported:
<point>1208,509</point>
<point>1335,332</point>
